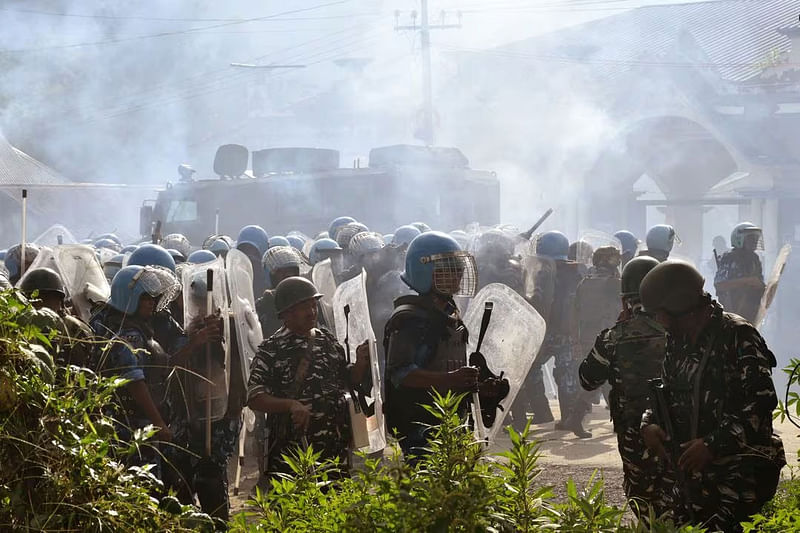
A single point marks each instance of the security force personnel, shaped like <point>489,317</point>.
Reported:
<point>299,378</point>
<point>720,397</point>
<point>425,339</point>
<point>626,356</point>
<point>739,281</point>
<point>660,239</point>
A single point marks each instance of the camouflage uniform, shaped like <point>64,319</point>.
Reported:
<point>735,400</point>
<point>737,264</point>
<point>555,305</point>
<point>274,370</point>
<point>626,356</point>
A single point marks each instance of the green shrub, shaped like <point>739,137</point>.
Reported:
<point>59,454</point>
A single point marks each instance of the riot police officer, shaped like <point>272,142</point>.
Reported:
<point>626,356</point>
<point>46,289</point>
<point>660,240</point>
<point>739,281</point>
<point>719,395</point>
<point>425,339</point>
<point>253,241</point>
<point>630,245</point>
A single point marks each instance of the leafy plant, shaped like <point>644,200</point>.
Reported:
<point>63,467</point>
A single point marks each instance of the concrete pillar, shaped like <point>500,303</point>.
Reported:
<point>688,223</point>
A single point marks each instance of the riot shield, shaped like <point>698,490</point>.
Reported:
<point>83,277</point>
<point>772,284</point>
<point>539,281</point>
<point>194,309</point>
<point>595,239</point>
<point>45,259</point>
<point>353,293</point>
<point>322,276</point>
<point>248,329</point>
<point>513,338</point>
<point>55,235</point>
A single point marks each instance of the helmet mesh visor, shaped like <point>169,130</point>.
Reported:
<point>159,283</point>
<point>455,274</point>
<point>281,257</point>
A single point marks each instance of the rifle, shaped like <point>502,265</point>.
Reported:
<point>527,234</point>
<point>492,388</point>
<point>716,258</point>
<point>663,419</point>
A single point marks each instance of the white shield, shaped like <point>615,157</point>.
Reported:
<point>514,336</point>
<point>323,279</point>
<point>354,294</point>
<point>772,284</point>
<point>45,259</point>
<point>54,236</point>
<point>83,277</point>
<point>194,284</point>
<point>595,239</point>
<point>243,309</point>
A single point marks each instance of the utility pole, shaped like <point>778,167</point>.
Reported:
<point>424,29</point>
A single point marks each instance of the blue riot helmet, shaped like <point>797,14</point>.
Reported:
<point>131,282</point>
<point>129,249</point>
<point>421,226</point>
<point>405,234</point>
<point>494,242</point>
<point>200,256</point>
<point>323,249</point>
<point>112,266</point>
<point>347,232</point>
<point>296,242</point>
<point>278,240</point>
<point>12,259</point>
<point>553,244</point>
<point>337,223</point>
<point>107,243</point>
<point>629,242</point>
<point>177,256</point>
<point>219,247</point>
<point>152,254</point>
<point>254,236</point>
<point>747,235</point>
<point>660,237</point>
<point>111,236</point>
<point>436,262</point>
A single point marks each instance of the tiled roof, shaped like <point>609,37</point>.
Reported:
<point>734,37</point>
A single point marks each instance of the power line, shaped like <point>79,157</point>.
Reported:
<point>168,33</point>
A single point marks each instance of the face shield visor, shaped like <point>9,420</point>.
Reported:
<point>159,283</point>
<point>753,239</point>
<point>454,273</point>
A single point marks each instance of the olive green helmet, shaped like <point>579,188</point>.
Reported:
<point>292,291</point>
<point>634,272</point>
<point>673,286</point>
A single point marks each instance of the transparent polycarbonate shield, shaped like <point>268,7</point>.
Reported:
<point>45,259</point>
<point>595,239</point>
<point>539,278</point>
<point>195,295</point>
<point>55,235</point>
<point>322,276</point>
<point>83,277</point>
<point>243,308</point>
<point>772,284</point>
<point>353,332</point>
<point>513,338</point>
<point>105,254</point>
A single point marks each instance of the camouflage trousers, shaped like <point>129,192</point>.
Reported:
<point>647,480</point>
<point>728,492</point>
<point>189,473</point>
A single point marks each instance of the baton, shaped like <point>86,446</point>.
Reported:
<point>209,304</point>
<point>24,232</point>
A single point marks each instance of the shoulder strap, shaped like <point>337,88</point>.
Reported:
<point>695,421</point>
<point>303,365</point>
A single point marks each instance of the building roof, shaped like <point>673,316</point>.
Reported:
<point>18,168</point>
<point>735,38</point>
